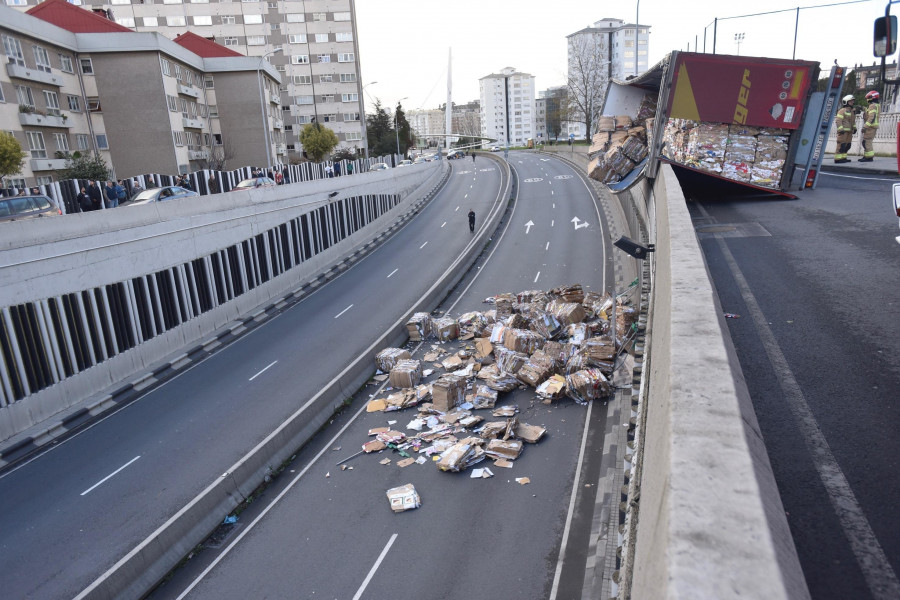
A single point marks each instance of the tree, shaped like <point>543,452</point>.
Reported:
<point>84,166</point>
<point>380,131</point>
<point>218,157</point>
<point>587,81</point>
<point>318,141</point>
<point>404,131</point>
<point>11,155</point>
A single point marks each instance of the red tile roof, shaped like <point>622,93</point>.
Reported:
<point>203,47</point>
<point>72,18</point>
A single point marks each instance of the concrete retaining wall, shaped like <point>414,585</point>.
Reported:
<point>95,249</point>
<point>710,523</point>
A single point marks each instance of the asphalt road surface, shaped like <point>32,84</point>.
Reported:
<point>815,284</point>
<point>329,533</point>
<point>72,512</point>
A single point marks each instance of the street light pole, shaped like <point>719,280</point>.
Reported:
<point>397,124</point>
<point>739,37</point>
<point>262,105</point>
<point>637,19</point>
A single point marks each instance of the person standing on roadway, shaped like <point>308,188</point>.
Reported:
<point>472,218</point>
<point>846,127</point>
<point>473,157</point>
<point>870,126</point>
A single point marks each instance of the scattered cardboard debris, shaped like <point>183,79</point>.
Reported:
<point>405,462</point>
<point>385,461</point>
<point>523,480</point>
<point>404,497</point>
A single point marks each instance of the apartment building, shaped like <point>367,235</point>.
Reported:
<point>507,107</point>
<point>466,119</point>
<point>620,50</point>
<point>312,43</point>
<point>429,125</point>
<point>76,81</point>
<point>553,102</point>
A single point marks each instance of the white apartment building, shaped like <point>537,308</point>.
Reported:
<point>428,126</point>
<point>312,43</point>
<point>623,47</point>
<point>508,109</point>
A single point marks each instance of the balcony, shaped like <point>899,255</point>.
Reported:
<point>186,90</point>
<point>192,123</point>
<point>274,98</point>
<point>20,72</point>
<point>47,164</point>
<point>35,119</point>
<point>198,155</point>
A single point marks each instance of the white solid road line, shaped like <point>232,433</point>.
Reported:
<point>547,247</point>
<point>457,208</point>
<point>343,311</point>
<point>877,571</point>
<point>444,223</point>
<point>553,223</point>
<point>536,276</point>
<point>113,474</point>
<point>423,245</point>
<point>464,197</point>
<point>377,564</point>
<point>270,365</point>
<point>392,272</point>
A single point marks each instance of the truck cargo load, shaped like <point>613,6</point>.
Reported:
<point>734,118</point>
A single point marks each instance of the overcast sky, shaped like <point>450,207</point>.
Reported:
<point>404,44</point>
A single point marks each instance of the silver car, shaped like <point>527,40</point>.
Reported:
<point>19,208</point>
<point>161,194</point>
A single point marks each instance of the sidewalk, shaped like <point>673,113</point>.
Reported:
<point>882,165</point>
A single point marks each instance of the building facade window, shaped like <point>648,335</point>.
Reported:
<point>303,99</point>
<point>24,95</point>
<point>299,59</point>
<point>93,103</point>
<point>151,22</point>
<point>320,16</point>
<point>62,141</point>
<point>329,118</point>
<point>346,57</point>
<point>341,16</point>
<point>296,17</point>
<point>51,99</point>
<point>353,136</point>
<point>126,22</point>
<point>256,40</point>
<point>321,38</point>
<point>227,19</point>
<point>176,21</point>
<point>348,77</point>
<point>41,59</point>
<point>203,20</point>
<point>297,38</point>
<point>83,141</point>
<point>13,49</point>
<point>345,36</point>
<point>351,117</point>
<point>301,79</point>
<point>87,67</point>
<point>253,19</point>
<point>102,142</point>
<point>65,63</point>
<point>230,41</point>
<point>327,98</point>
<point>74,103</point>
<point>324,58</point>
<point>326,78</point>
<point>36,144</point>
<point>349,97</point>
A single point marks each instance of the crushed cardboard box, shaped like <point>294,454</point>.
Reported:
<point>404,497</point>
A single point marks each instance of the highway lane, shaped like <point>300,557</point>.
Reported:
<point>815,282</point>
<point>65,523</point>
<point>331,534</point>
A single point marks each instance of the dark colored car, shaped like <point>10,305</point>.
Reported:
<point>19,208</point>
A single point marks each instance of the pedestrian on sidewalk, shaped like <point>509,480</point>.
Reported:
<point>846,127</point>
<point>870,126</point>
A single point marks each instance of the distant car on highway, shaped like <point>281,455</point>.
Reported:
<point>495,148</point>
<point>21,208</point>
<point>255,182</point>
<point>160,194</point>
<point>420,159</point>
<point>404,163</point>
<point>379,167</point>
<point>455,154</point>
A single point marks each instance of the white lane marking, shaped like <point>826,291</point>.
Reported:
<point>877,571</point>
<point>392,272</point>
<point>554,204</point>
<point>548,246</point>
<point>551,193</point>
<point>571,512</point>
<point>423,245</point>
<point>464,197</point>
<point>343,311</point>
<point>113,474</point>
<point>536,276</point>
<point>855,177</point>
<point>553,222</point>
<point>377,564</point>
<point>457,208</point>
<point>269,366</point>
<point>444,223</point>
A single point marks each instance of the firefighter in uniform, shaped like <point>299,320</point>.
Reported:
<point>846,127</point>
<point>870,126</point>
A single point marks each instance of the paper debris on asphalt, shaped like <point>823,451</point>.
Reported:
<point>523,480</point>
<point>405,462</point>
<point>481,473</point>
<point>385,461</point>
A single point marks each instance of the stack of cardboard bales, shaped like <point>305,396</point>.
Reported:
<point>389,357</point>
<point>448,392</point>
<point>406,374</point>
<point>419,327</point>
<point>620,143</point>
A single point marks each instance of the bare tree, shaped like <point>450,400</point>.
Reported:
<point>588,79</point>
<point>218,157</point>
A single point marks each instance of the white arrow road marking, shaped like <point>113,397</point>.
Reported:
<point>343,311</point>
<point>269,366</point>
<point>113,474</point>
<point>392,272</point>
<point>576,220</point>
<point>528,226</point>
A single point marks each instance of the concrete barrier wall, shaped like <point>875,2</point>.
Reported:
<point>51,257</point>
<point>710,523</point>
<point>136,573</point>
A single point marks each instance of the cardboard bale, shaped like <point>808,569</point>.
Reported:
<point>446,329</point>
<point>618,162</point>
<point>484,397</point>
<point>736,169</point>
<point>634,148</point>
<point>459,456</point>
<point>706,146</point>
<point>544,324</point>
<point>538,368</point>
<point>532,297</point>
<point>567,293</point>
<point>567,313</point>
<point>587,384</point>
<point>638,132</point>
<point>598,143</point>
<point>598,349</point>
<point>738,129</point>
<point>552,388</point>
<point>406,374</point>
<point>498,331</point>
<point>647,109</point>
<point>767,173</point>
<point>492,430</point>
<point>389,357</point>
<point>506,449</point>
<point>522,340</point>
<point>448,392</point>
<point>559,353</point>
<point>497,380</point>
<point>623,122</point>
<point>617,139</point>
<point>516,321</point>
<point>419,326</point>
<point>503,305</point>
<point>606,124</point>
<point>473,322</point>
<point>404,498</point>
<point>600,170</point>
<point>509,361</point>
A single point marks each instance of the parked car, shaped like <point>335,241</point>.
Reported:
<point>20,208</point>
<point>255,182</point>
<point>379,167</point>
<point>160,194</point>
<point>420,159</point>
<point>404,163</point>
<point>455,154</point>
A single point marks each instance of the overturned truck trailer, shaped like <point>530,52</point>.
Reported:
<point>736,118</point>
